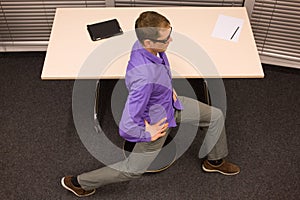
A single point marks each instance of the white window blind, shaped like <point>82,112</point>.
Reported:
<point>28,23</point>
<point>276,28</point>
<point>145,3</point>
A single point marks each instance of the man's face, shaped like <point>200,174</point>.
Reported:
<point>162,42</point>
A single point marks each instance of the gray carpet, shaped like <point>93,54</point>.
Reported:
<point>39,143</point>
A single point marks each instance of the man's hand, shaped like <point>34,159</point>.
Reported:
<point>174,95</point>
<point>157,130</point>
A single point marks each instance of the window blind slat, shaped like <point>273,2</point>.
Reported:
<point>270,31</point>
<point>281,53</point>
<point>279,44</point>
<point>278,2</point>
<point>278,25</point>
<point>285,18</point>
<point>276,11</point>
<point>142,3</point>
<point>292,40</point>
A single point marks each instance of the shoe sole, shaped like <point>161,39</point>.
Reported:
<point>70,189</point>
<point>215,170</point>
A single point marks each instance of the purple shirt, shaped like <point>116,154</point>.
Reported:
<point>149,82</point>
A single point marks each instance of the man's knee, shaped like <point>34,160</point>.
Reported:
<point>217,114</point>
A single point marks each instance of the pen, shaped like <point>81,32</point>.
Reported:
<point>235,32</point>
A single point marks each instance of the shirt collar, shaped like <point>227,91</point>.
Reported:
<point>155,59</point>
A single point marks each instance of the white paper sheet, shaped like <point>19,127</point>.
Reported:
<point>228,28</point>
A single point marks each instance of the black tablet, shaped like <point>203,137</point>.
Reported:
<point>104,29</point>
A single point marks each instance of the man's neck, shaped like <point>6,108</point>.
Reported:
<point>153,51</point>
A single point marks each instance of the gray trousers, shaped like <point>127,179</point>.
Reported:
<point>145,152</point>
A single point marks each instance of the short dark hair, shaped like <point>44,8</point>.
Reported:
<point>147,24</point>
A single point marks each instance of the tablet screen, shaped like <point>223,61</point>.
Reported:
<point>104,29</point>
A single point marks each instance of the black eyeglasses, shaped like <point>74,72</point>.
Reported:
<point>163,41</point>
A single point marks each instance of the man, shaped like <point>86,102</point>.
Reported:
<point>151,110</point>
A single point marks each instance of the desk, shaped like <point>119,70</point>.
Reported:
<point>70,44</point>
<point>194,53</point>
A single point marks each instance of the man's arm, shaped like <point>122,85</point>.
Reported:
<point>133,126</point>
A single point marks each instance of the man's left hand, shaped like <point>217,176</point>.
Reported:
<point>174,95</point>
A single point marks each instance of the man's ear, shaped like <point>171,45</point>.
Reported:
<point>147,43</point>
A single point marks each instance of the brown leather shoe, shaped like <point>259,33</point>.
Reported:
<point>225,168</point>
<point>78,191</point>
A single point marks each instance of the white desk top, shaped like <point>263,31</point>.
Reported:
<point>194,53</point>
